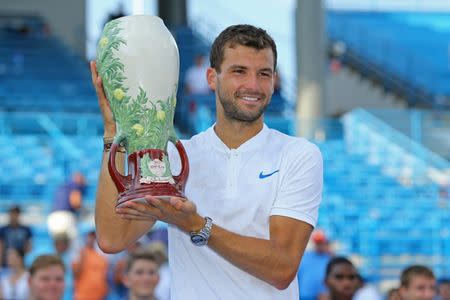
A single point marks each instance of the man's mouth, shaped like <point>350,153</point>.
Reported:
<point>250,98</point>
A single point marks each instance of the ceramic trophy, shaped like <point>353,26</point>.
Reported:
<point>138,61</point>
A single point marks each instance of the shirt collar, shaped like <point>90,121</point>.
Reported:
<point>252,144</point>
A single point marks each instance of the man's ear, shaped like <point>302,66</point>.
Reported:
<point>211,77</point>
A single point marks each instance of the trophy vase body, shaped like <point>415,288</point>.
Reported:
<point>138,61</point>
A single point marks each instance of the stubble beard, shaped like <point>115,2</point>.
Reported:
<point>232,112</point>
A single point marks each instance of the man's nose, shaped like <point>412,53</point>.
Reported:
<point>252,82</point>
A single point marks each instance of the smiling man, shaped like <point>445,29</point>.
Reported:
<point>252,196</point>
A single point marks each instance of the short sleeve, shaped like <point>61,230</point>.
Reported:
<point>300,191</point>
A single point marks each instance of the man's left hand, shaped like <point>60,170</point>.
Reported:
<point>177,211</point>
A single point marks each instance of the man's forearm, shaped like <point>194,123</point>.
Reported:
<point>273,262</point>
<point>114,233</point>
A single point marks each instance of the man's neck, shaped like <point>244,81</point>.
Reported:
<point>234,133</point>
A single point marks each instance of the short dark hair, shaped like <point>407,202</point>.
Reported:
<point>244,35</point>
<point>15,209</point>
<point>338,260</point>
<point>44,261</point>
<point>145,255</point>
<point>413,271</point>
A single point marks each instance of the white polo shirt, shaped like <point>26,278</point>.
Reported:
<point>270,174</point>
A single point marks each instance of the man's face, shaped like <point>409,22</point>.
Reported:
<point>244,85</point>
<point>342,281</point>
<point>14,217</point>
<point>419,288</point>
<point>142,278</point>
<point>47,283</point>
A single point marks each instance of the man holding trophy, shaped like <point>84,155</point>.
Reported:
<point>242,209</point>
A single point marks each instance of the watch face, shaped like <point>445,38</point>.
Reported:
<point>198,240</point>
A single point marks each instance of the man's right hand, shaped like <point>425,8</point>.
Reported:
<point>108,120</point>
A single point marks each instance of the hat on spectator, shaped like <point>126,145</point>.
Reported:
<point>318,237</point>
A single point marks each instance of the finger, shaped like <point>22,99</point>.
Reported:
<point>97,82</point>
<point>94,74</point>
<point>136,208</point>
<point>100,91</point>
<point>183,204</point>
<point>136,218</point>
<point>137,214</point>
<point>176,202</point>
<point>154,201</point>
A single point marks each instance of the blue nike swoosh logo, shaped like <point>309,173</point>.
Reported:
<point>262,176</point>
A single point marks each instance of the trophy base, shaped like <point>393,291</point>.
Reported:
<point>160,190</point>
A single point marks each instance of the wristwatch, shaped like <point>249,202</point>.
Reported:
<point>200,238</point>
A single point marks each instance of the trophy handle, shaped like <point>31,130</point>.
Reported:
<point>180,179</point>
<point>120,180</point>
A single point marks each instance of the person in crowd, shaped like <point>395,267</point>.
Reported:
<point>366,290</point>
<point>341,279</point>
<point>444,289</point>
<point>46,278</point>
<point>393,294</point>
<point>159,250</point>
<point>62,246</point>
<point>90,271</point>
<point>14,284</point>
<point>313,266</point>
<point>63,249</point>
<point>417,282</point>
<point>66,206</point>
<point>14,234</point>
<point>141,276</point>
<point>242,239</point>
<point>195,79</point>
<point>119,267</point>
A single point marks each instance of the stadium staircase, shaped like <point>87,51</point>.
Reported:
<point>405,53</point>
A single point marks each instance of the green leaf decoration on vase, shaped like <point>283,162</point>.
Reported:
<point>145,123</point>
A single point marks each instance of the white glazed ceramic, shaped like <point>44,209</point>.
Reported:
<point>138,61</point>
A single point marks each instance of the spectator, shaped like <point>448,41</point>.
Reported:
<point>195,80</point>
<point>444,289</point>
<point>63,249</point>
<point>120,267</point>
<point>90,272</point>
<point>159,251</point>
<point>393,294</point>
<point>14,234</point>
<point>61,243</point>
<point>14,284</point>
<point>366,291</point>
<point>341,279</point>
<point>141,276</point>
<point>66,206</point>
<point>417,283</point>
<point>313,266</point>
<point>46,281</point>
